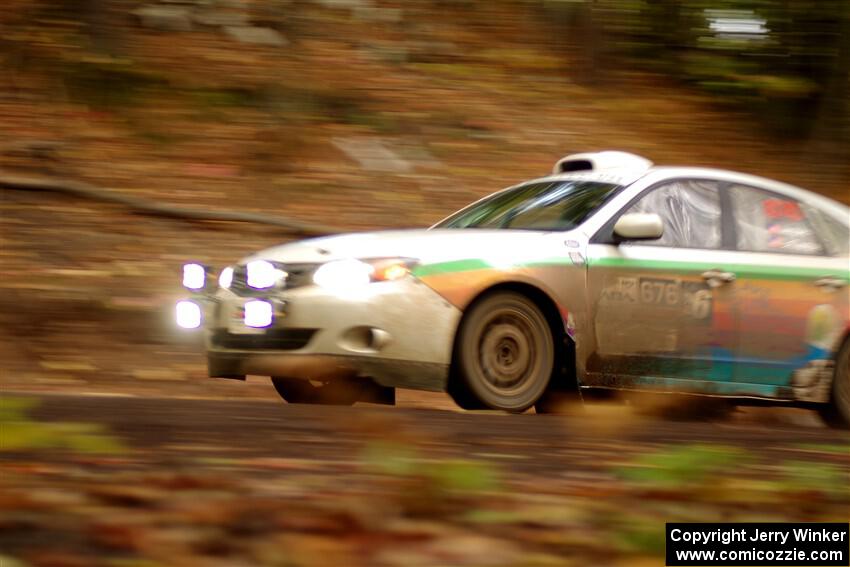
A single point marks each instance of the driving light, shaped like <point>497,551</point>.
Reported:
<point>258,313</point>
<point>262,274</point>
<point>188,314</point>
<point>342,275</point>
<point>194,276</point>
<point>225,278</point>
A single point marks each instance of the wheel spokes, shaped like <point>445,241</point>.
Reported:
<point>506,350</point>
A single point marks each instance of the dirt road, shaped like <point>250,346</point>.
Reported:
<point>529,444</point>
<point>215,482</point>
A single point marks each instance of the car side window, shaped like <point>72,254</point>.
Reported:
<point>690,210</point>
<point>834,234</point>
<point>769,222</point>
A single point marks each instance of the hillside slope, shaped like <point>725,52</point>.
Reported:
<point>352,113</point>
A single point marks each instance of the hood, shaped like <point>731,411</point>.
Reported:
<point>427,246</point>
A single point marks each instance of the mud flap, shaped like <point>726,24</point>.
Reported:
<point>814,382</point>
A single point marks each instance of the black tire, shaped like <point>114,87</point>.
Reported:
<point>562,397</point>
<point>337,393</point>
<point>836,413</point>
<point>504,354</point>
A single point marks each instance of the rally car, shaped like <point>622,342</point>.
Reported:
<point>610,273</point>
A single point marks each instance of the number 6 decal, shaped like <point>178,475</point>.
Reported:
<point>701,304</point>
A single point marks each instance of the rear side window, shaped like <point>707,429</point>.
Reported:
<point>768,222</point>
<point>834,234</point>
<point>690,210</point>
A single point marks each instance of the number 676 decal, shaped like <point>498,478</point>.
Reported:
<point>693,297</point>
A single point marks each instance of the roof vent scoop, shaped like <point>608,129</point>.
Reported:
<point>594,161</point>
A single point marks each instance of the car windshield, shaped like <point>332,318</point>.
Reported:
<point>546,205</point>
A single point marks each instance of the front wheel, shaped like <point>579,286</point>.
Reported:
<point>836,413</point>
<point>296,391</point>
<point>504,355</point>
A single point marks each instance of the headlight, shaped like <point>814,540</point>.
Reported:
<point>262,274</point>
<point>194,277</point>
<point>225,278</point>
<point>343,275</point>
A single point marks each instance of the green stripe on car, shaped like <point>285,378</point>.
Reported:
<point>744,270</point>
<point>451,267</point>
<point>772,272</point>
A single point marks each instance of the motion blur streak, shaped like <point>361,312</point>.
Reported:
<point>115,446</point>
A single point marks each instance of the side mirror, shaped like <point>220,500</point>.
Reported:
<point>639,226</point>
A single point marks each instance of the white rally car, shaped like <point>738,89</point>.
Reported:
<point>610,273</point>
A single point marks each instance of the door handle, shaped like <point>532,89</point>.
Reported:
<point>830,283</point>
<point>716,278</point>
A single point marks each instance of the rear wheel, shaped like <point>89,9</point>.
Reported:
<point>504,354</point>
<point>336,393</point>
<point>836,413</point>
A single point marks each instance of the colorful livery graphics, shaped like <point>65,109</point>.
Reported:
<point>609,273</point>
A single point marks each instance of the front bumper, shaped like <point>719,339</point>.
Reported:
<point>398,333</point>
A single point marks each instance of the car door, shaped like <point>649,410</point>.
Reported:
<point>791,292</point>
<point>661,310</point>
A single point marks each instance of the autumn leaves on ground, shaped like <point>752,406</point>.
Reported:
<point>359,115</point>
<point>162,482</point>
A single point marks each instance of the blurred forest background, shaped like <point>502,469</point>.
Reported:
<point>353,114</point>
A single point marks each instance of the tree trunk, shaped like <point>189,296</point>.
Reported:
<point>830,132</point>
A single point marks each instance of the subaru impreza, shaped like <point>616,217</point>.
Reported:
<point>610,273</point>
